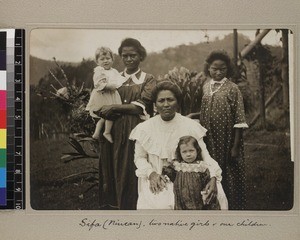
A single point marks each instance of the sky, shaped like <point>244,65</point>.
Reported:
<point>74,44</point>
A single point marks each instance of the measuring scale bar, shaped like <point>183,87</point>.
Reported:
<point>14,195</point>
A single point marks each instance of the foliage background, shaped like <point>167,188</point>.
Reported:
<point>269,169</point>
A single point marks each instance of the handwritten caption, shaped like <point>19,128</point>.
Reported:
<point>106,224</point>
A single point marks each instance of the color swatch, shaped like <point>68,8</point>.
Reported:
<point>3,122</point>
<point>12,108</point>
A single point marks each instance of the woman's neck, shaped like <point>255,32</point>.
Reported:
<point>169,118</point>
<point>132,71</point>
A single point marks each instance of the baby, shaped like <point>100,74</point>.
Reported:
<point>106,81</point>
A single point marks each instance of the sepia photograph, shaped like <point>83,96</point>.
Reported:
<point>124,119</point>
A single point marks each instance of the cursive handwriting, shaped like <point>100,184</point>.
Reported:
<point>249,223</point>
<point>90,224</point>
<point>109,223</point>
<point>106,224</point>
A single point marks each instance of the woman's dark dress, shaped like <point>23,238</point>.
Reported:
<point>117,179</point>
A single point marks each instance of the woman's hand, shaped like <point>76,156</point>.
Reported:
<point>111,112</point>
<point>211,190</point>
<point>157,182</point>
<point>107,111</point>
<point>234,153</point>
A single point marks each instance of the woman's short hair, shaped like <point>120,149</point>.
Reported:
<point>167,85</point>
<point>103,51</point>
<point>219,55</point>
<point>186,140</point>
<point>131,42</point>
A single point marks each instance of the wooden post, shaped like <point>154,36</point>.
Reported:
<point>259,36</point>
<point>270,99</point>
<point>257,40</point>
<point>285,69</point>
<point>262,109</point>
<point>235,47</point>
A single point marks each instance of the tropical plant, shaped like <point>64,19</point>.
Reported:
<point>80,123</point>
<point>191,84</point>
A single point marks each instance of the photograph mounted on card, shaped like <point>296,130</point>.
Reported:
<point>161,119</point>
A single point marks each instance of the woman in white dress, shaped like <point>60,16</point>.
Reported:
<point>155,143</point>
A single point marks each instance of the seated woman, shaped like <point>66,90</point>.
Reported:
<point>155,144</point>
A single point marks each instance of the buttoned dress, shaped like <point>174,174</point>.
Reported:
<point>117,179</point>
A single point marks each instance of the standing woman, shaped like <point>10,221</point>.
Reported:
<point>118,183</point>
<point>222,114</point>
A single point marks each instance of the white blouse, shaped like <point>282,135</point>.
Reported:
<point>156,142</point>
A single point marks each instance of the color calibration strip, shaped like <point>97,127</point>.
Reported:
<point>3,123</point>
<point>12,137</point>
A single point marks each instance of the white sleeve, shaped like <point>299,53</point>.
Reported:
<point>241,125</point>
<point>145,115</point>
<point>213,166</point>
<point>144,168</point>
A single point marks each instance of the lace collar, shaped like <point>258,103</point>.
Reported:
<point>199,166</point>
<point>212,82</point>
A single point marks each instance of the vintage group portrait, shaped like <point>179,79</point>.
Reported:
<point>198,119</point>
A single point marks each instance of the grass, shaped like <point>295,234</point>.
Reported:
<point>48,190</point>
<point>269,172</point>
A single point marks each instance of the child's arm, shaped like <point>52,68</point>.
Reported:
<point>110,86</point>
<point>100,82</point>
<point>115,81</point>
<point>170,172</point>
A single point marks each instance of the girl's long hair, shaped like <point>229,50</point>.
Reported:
<point>186,140</point>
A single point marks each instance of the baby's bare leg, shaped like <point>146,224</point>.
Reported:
<point>98,128</point>
<point>107,130</point>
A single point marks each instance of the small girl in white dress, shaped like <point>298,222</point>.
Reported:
<point>106,81</point>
